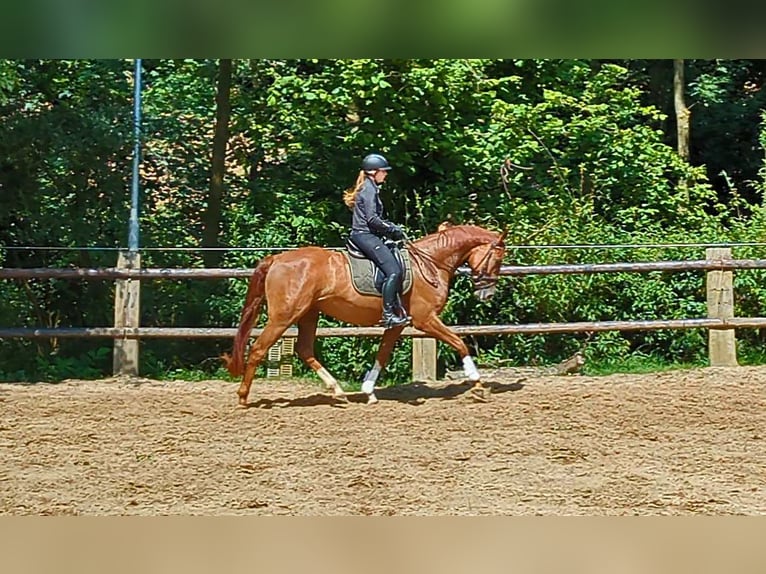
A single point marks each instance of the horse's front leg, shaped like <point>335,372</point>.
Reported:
<point>387,343</point>
<point>433,326</point>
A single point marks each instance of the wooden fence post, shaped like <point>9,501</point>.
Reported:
<point>127,313</point>
<point>286,361</point>
<point>423,359</point>
<point>273,358</point>
<point>722,346</point>
<point>280,358</point>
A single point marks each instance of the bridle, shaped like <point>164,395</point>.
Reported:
<point>483,278</point>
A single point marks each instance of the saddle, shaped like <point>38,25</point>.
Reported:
<point>367,278</point>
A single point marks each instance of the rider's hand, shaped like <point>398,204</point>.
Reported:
<point>396,233</point>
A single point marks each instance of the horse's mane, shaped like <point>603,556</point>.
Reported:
<point>446,236</point>
<point>448,233</point>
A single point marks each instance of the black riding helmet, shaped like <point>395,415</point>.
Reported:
<point>375,161</point>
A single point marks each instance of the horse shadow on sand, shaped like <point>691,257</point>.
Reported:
<point>416,393</point>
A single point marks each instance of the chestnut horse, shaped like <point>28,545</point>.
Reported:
<point>300,284</point>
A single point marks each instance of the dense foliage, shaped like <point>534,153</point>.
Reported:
<point>592,149</point>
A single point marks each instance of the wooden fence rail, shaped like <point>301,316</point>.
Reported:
<point>723,264</point>
<point>480,330</point>
<point>127,331</point>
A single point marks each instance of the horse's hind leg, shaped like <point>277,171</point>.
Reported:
<point>307,326</point>
<point>270,335</point>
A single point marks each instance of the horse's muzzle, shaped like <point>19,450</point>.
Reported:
<point>484,287</point>
<point>484,293</point>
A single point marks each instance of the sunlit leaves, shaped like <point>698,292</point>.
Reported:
<point>590,162</point>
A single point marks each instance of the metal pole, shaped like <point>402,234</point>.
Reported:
<point>133,225</point>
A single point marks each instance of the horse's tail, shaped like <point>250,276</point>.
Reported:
<point>235,362</point>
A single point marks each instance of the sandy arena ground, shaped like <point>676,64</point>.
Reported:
<point>682,442</point>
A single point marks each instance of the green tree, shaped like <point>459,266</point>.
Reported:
<point>587,150</point>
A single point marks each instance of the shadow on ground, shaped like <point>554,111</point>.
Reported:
<point>414,394</point>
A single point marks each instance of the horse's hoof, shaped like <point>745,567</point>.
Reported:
<point>480,394</point>
<point>336,391</point>
<point>371,399</point>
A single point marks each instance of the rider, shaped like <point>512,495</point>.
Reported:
<point>368,228</point>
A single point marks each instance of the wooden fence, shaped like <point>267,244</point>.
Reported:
<point>127,332</point>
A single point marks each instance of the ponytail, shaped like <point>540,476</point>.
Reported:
<point>349,196</point>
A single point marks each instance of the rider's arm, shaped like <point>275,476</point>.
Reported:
<point>367,204</point>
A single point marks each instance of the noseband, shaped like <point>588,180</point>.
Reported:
<point>483,279</point>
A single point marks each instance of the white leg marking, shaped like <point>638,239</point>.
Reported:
<point>470,369</point>
<point>329,381</point>
<point>368,386</point>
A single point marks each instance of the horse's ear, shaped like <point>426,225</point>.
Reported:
<point>444,225</point>
<point>504,234</point>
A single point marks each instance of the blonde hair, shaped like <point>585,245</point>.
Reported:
<point>349,196</point>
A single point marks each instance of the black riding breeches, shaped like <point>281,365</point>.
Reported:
<point>374,248</point>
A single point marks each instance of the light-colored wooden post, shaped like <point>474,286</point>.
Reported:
<point>274,357</point>
<point>127,313</point>
<point>286,360</point>
<point>722,345</point>
<point>423,359</point>
<point>280,361</point>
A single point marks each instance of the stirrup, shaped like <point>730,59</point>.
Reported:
<point>395,321</point>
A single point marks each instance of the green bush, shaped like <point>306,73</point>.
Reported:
<point>593,167</point>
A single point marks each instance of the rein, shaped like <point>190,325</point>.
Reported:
<point>424,258</point>
<point>481,279</point>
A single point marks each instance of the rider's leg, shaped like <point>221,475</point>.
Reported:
<point>390,292</point>
<point>374,248</point>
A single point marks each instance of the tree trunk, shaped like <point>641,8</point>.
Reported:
<point>682,112</point>
<point>212,217</point>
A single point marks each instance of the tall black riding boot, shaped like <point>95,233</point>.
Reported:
<point>390,291</point>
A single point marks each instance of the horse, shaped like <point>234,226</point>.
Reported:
<point>298,285</point>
